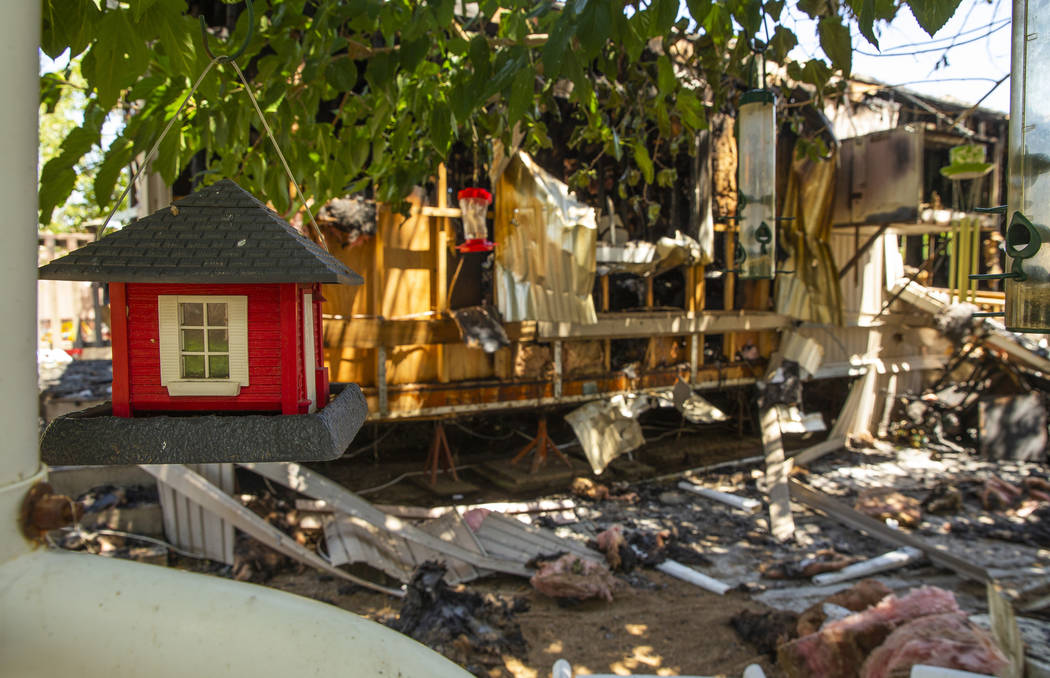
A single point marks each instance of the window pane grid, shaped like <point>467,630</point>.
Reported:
<point>204,340</point>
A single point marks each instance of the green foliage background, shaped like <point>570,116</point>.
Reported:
<point>376,92</point>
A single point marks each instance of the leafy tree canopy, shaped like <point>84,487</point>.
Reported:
<point>376,92</point>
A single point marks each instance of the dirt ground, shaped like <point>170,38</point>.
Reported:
<point>657,624</point>
<point>672,628</point>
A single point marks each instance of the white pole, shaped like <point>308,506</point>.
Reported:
<point>680,571</point>
<point>923,671</point>
<point>887,561</point>
<point>742,503</point>
<point>19,81</point>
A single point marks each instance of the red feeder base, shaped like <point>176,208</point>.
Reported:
<point>476,245</point>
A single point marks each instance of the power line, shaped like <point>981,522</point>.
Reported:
<point>932,42</point>
<point>937,49</point>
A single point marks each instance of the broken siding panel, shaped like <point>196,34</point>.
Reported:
<point>863,287</point>
<point>545,264</point>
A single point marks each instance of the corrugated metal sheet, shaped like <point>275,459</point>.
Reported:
<point>545,253</point>
<point>190,527</point>
<point>511,539</point>
<point>351,540</point>
<point>864,286</point>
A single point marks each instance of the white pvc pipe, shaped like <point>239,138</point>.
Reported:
<point>19,81</point>
<point>923,671</point>
<point>887,561</point>
<point>67,614</point>
<point>742,503</point>
<point>680,571</point>
<point>562,669</point>
<point>72,614</point>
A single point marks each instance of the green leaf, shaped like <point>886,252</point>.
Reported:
<point>932,14</point>
<point>175,32</point>
<point>139,8</point>
<point>748,14</point>
<point>479,57</point>
<point>644,162</point>
<point>557,41</point>
<point>782,42</point>
<point>866,20</point>
<point>836,43</point>
<point>814,8</point>
<point>412,53</point>
<point>441,129</point>
<point>51,86</point>
<point>522,91</point>
<point>617,147</point>
<point>718,23</point>
<point>665,77</point>
<point>117,58</point>
<point>67,24</point>
<point>699,9</point>
<point>443,11</point>
<point>342,73</point>
<point>774,8</point>
<point>56,183</point>
<point>665,12</point>
<point>690,109</point>
<point>118,157</point>
<point>380,74</point>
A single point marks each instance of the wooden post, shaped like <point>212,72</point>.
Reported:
<point>729,293</point>
<point>781,523</point>
<point>56,317</point>
<point>607,343</point>
<point>439,279</point>
<point>694,305</point>
<point>558,367</point>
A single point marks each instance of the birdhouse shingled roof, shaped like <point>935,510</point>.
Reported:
<point>220,234</point>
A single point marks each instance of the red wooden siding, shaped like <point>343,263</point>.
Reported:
<point>293,386</point>
<point>118,329</point>
<point>264,349</point>
<point>319,369</point>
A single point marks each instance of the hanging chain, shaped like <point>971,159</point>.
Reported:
<point>156,145</point>
<point>287,170</point>
<point>167,128</point>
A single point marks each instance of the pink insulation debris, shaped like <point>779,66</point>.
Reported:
<point>474,517</point>
<point>610,542</point>
<point>840,647</point>
<point>946,640</point>
<point>571,576</point>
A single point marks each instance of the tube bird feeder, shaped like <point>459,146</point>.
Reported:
<point>474,203</point>
<point>1028,232</point>
<point>756,182</point>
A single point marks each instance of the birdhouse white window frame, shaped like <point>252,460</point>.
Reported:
<point>170,332</point>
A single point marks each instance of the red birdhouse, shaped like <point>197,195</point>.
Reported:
<point>215,307</point>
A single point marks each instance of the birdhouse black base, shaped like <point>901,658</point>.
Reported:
<point>95,437</point>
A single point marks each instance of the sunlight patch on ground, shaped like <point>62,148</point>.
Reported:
<point>643,657</point>
<point>636,629</point>
<point>517,669</point>
<point>555,647</point>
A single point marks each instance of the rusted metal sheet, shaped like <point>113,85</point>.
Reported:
<point>881,178</point>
